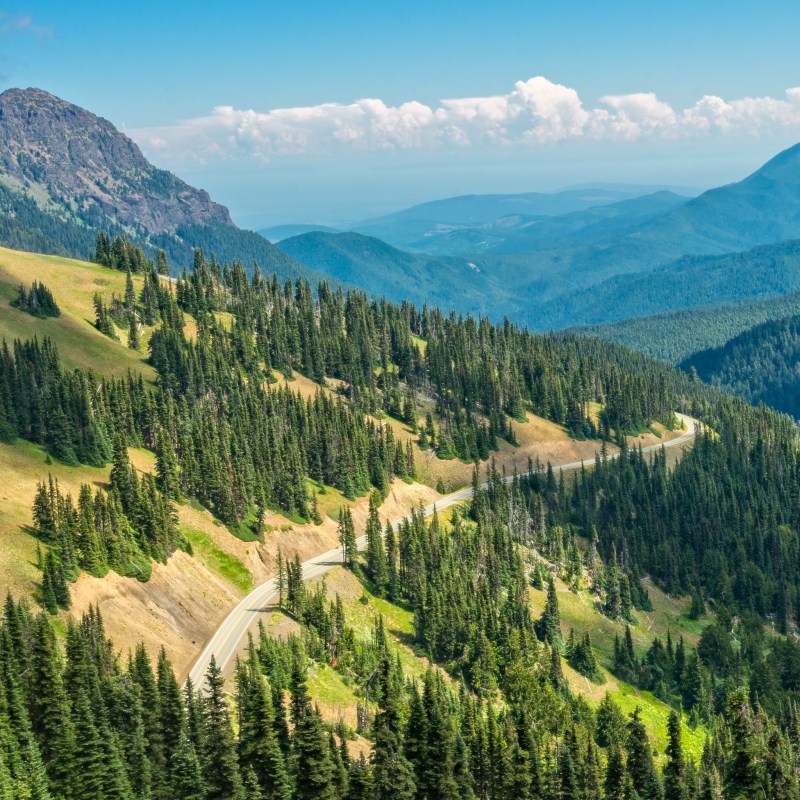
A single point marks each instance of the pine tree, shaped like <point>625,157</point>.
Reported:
<point>359,783</point>
<point>640,764</point>
<point>313,771</point>
<point>674,771</point>
<point>259,749</point>
<point>49,708</point>
<point>186,779</point>
<point>616,777</point>
<point>376,555</point>
<point>48,591</point>
<point>347,537</point>
<point>548,626</point>
<point>392,774</point>
<point>89,772</point>
<point>742,772</point>
<point>219,762</point>
<point>161,263</point>
<point>134,342</point>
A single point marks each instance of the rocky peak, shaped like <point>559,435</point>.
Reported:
<point>69,158</point>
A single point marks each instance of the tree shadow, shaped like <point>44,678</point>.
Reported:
<point>410,641</point>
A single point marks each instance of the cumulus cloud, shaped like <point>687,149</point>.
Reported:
<point>536,112</point>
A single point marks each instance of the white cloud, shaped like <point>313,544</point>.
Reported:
<point>23,23</point>
<point>537,112</point>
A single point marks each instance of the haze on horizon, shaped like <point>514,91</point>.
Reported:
<point>328,114</point>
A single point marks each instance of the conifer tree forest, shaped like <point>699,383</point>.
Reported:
<point>494,717</point>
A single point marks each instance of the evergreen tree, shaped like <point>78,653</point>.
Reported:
<point>675,787</point>
<point>376,555</point>
<point>219,763</point>
<point>640,764</point>
<point>393,777</point>
<point>548,626</point>
<point>347,537</point>
<point>186,779</point>
<point>742,774</point>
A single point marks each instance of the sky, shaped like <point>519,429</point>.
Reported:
<point>332,112</point>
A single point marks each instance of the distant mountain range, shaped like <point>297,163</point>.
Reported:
<point>585,256</point>
<point>458,225</point>
<point>588,255</point>
<point>436,280</point>
<point>66,174</point>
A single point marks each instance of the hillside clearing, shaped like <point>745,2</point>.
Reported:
<point>73,284</point>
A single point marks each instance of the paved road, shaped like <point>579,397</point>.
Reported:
<point>227,640</point>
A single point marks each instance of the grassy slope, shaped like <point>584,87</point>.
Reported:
<point>22,465</point>
<point>73,284</point>
<point>669,614</point>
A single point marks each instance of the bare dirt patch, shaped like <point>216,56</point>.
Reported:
<point>178,608</point>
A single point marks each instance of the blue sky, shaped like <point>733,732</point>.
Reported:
<point>568,93</point>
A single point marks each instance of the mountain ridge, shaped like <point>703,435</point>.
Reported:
<point>67,174</point>
<point>87,163</point>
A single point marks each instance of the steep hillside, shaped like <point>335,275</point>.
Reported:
<point>765,271</point>
<point>675,335</point>
<point>762,365</point>
<point>381,269</point>
<point>167,608</point>
<point>66,174</point>
<point>74,284</point>
<point>762,208</point>
<point>252,465</point>
<point>82,164</point>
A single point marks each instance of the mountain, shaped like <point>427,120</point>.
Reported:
<point>383,270</point>
<point>521,234</point>
<point>83,163</point>
<point>479,283</point>
<point>762,365</point>
<point>762,208</point>
<point>66,174</point>
<point>279,232</point>
<point>768,270</point>
<point>413,227</point>
<point>676,335</point>
<point>605,258</point>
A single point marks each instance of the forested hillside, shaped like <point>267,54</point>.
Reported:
<point>764,271</point>
<point>501,721</point>
<point>676,335</point>
<point>227,436</point>
<point>504,717</point>
<point>365,261</point>
<point>761,365</point>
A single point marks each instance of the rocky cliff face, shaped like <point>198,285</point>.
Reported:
<point>71,160</point>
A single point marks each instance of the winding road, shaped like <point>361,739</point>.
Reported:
<point>228,638</point>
